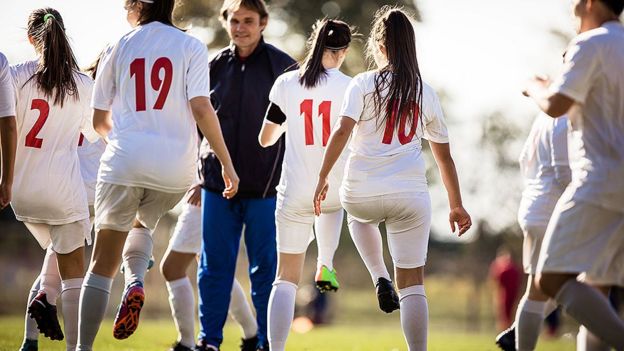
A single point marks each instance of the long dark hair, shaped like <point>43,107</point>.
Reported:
<point>57,63</point>
<point>327,34</point>
<point>156,11</point>
<point>398,84</point>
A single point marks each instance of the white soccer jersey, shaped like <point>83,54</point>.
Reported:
<point>7,97</point>
<point>48,187</point>
<point>310,117</point>
<point>545,153</point>
<point>384,160</point>
<point>152,73</point>
<point>593,76</point>
<point>89,155</point>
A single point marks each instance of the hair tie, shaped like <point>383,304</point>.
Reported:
<point>147,1</point>
<point>47,17</point>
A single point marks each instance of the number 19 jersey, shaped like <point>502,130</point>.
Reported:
<point>310,116</point>
<point>152,73</point>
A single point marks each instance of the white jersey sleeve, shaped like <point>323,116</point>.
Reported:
<point>435,125</point>
<point>353,104</point>
<point>580,68</point>
<point>7,95</point>
<point>198,83</point>
<point>105,83</point>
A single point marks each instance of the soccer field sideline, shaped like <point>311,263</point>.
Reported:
<point>154,335</point>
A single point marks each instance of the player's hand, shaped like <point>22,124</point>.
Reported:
<point>231,180</point>
<point>459,216</point>
<point>194,195</point>
<point>5,195</point>
<point>538,83</point>
<point>320,194</point>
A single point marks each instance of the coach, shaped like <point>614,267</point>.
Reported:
<point>241,76</point>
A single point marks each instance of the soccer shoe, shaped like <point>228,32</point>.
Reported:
<point>127,318</point>
<point>386,295</point>
<point>29,345</point>
<point>46,317</point>
<point>179,347</point>
<point>326,280</point>
<point>150,264</point>
<point>506,340</point>
<point>203,346</point>
<point>249,344</point>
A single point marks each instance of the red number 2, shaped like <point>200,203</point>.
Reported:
<point>44,111</point>
<point>389,131</point>
<point>137,70</point>
<point>324,111</point>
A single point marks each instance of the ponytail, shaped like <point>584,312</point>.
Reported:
<point>327,34</point>
<point>57,63</point>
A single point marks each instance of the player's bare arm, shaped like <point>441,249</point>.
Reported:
<point>8,142</point>
<point>555,105</point>
<point>102,122</point>
<point>270,133</point>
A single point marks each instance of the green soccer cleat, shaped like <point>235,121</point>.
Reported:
<point>326,280</point>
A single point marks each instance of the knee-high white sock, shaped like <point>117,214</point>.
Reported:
<point>592,309</point>
<point>327,227</point>
<point>281,313</point>
<point>182,302</point>
<point>241,311</point>
<point>70,296</point>
<point>136,254</point>
<point>50,277</point>
<point>529,320</point>
<point>30,326</point>
<point>367,239</point>
<point>414,316</point>
<point>586,341</point>
<point>93,301</point>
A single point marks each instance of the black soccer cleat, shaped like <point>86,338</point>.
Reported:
<point>46,317</point>
<point>386,295</point>
<point>250,344</point>
<point>506,340</point>
<point>179,347</point>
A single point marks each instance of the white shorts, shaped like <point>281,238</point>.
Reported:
<point>116,206</point>
<point>584,238</point>
<point>408,222</point>
<point>295,228</point>
<point>187,236</point>
<point>531,246</point>
<point>63,238</point>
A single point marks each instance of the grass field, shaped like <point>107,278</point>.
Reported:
<point>155,335</point>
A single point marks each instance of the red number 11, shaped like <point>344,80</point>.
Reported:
<point>324,111</point>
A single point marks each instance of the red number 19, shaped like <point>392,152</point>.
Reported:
<point>137,70</point>
<point>324,111</point>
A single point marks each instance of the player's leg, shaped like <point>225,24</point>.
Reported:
<point>586,340</point>
<point>327,227</point>
<point>241,312</point>
<point>31,333</point>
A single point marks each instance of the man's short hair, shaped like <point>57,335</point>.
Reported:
<point>229,6</point>
<point>614,5</point>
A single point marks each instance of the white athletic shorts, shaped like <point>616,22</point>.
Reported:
<point>64,238</point>
<point>408,222</point>
<point>116,206</point>
<point>584,238</point>
<point>295,228</point>
<point>531,246</point>
<point>187,236</point>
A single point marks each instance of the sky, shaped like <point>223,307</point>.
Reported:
<point>479,53</point>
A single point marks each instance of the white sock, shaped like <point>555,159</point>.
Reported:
<point>241,311</point>
<point>551,306</point>
<point>592,309</point>
<point>328,227</point>
<point>50,277</point>
<point>70,296</point>
<point>182,302</point>
<point>136,254</point>
<point>529,320</point>
<point>586,341</point>
<point>30,326</point>
<point>281,313</point>
<point>414,316</point>
<point>93,301</point>
<point>367,239</point>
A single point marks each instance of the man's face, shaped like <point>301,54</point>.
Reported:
<point>245,27</point>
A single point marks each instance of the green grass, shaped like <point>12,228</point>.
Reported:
<point>154,335</point>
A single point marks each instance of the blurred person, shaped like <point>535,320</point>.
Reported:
<point>506,274</point>
<point>391,109</point>
<point>156,76</point>
<point>586,232</point>
<point>49,195</point>
<point>241,76</point>
<point>318,86</point>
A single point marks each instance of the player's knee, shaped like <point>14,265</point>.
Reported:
<point>546,284</point>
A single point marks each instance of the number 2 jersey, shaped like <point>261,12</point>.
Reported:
<point>152,73</point>
<point>48,187</point>
<point>385,159</point>
<point>310,116</point>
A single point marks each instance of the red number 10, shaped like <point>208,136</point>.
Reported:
<point>137,69</point>
<point>389,131</point>
<point>324,111</point>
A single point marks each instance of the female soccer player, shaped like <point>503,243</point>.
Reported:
<point>158,77</point>
<point>304,104</point>
<point>48,192</point>
<point>385,173</point>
